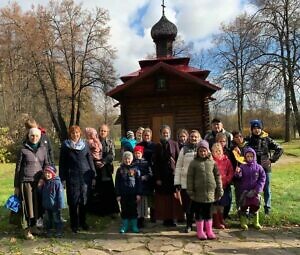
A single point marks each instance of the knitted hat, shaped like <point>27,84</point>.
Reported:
<point>204,144</point>
<point>256,124</point>
<point>130,134</point>
<point>139,148</point>
<point>127,154</point>
<point>34,131</point>
<point>50,169</point>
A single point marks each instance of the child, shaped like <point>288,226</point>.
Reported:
<point>146,181</point>
<point>128,191</point>
<point>252,179</point>
<point>226,171</point>
<point>222,139</point>
<point>204,187</point>
<point>128,143</point>
<point>52,200</point>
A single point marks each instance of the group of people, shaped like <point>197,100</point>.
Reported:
<point>188,180</point>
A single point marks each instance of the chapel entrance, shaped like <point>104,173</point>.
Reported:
<point>157,122</point>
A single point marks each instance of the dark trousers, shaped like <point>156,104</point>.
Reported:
<point>53,219</point>
<point>128,207</point>
<point>77,214</point>
<point>203,211</point>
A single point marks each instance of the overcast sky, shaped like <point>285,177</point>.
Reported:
<point>131,22</point>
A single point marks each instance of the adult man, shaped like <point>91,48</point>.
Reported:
<point>217,127</point>
<point>263,145</point>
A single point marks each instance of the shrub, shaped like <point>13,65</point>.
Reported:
<point>5,142</point>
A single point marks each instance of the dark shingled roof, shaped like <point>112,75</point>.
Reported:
<point>164,29</point>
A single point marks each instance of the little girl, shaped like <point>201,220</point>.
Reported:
<point>128,191</point>
<point>145,171</point>
<point>95,146</point>
<point>251,177</point>
<point>204,187</point>
<point>226,171</point>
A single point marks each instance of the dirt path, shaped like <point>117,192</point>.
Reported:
<point>155,239</point>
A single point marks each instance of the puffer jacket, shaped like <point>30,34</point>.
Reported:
<point>226,170</point>
<point>252,175</point>
<point>186,155</point>
<point>263,146</point>
<point>30,164</point>
<point>204,183</point>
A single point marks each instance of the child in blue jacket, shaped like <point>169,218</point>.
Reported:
<point>52,200</point>
<point>128,191</point>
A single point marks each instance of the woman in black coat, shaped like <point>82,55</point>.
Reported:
<point>167,208</point>
<point>77,172</point>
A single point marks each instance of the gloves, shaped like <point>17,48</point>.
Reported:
<point>251,193</point>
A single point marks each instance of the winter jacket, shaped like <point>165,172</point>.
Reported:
<point>204,183</point>
<point>127,144</point>
<point>210,137</point>
<point>108,156</point>
<point>225,169</point>
<point>76,167</point>
<point>53,194</point>
<point>149,149</point>
<point>128,181</point>
<point>263,146</point>
<point>30,164</point>
<point>252,175</point>
<point>186,155</point>
<point>146,175</point>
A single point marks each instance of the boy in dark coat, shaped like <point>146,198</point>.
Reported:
<point>52,200</point>
<point>128,191</point>
<point>263,145</point>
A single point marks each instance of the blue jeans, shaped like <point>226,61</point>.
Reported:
<point>267,191</point>
<point>53,219</point>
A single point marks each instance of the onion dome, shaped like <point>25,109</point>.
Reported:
<point>163,34</point>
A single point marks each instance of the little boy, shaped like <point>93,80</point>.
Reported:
<point>145,172</point>
<point>128,191</point>
<point>52,201</point>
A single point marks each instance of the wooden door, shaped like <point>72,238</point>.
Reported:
<point>157,122</point>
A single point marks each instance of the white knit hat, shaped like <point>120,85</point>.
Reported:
<point>34,131</point>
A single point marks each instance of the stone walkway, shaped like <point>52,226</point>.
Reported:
<point>158,240</point>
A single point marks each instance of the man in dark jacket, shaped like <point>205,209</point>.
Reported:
<point>267,152</point>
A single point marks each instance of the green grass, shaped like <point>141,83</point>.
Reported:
<point>291,148</point>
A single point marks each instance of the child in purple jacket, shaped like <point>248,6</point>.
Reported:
<point>251,177</point>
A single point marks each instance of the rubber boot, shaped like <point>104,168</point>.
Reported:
<point>134,226</point>
<point>124,226</point>
<point>221,220</point>
<point>208,228</point>
<point>256,224</point>
<point>216,221</point>
<point>200,230</point>
<point>243,221</point>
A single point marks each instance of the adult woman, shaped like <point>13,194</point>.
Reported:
<point>182,137</point>
<point>167,208</point>
<point>186,155</point>
<point>77,172</point>
<point>105,185</point>
<point>31,161</point>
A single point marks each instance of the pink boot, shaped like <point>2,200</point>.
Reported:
<point>209,232</point>
<point>200,232</point>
